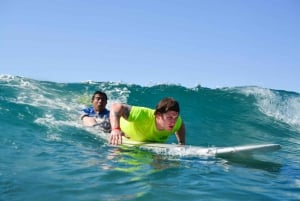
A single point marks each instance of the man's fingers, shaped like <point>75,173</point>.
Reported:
<point>115,139</point>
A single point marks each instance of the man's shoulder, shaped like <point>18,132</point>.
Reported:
<point>141,113</point>
<point>105,112</point>
<point>89,109</point>
<point>141,108</point>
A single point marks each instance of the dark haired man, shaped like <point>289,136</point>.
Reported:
<point>146,125</point>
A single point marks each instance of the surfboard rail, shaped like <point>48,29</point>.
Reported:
<point>191,150</point>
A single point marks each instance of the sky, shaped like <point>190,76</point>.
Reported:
<point>212,43</point>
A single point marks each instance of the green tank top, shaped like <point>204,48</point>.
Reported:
<point>140,126</point>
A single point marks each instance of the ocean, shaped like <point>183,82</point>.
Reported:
<point>46,153</point>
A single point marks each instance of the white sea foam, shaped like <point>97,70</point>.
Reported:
<point>279,105</point>
<point>50,121</point>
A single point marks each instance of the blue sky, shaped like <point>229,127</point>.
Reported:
<point>214,43</point>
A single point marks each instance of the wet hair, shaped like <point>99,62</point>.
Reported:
<point>99,93</point>
<point>167,104</point>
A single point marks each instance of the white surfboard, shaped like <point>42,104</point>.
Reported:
<point>191,151</point>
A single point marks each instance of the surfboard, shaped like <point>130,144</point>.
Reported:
<point>194,151</point>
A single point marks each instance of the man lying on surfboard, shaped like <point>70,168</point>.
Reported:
<point>143,124</point>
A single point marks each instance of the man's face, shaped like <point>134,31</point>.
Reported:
<point>99,102</point>
<point>169,119</point>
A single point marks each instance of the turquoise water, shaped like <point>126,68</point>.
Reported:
<point>46,154</point>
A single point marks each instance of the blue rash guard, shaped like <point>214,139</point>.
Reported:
<point>101,118</point>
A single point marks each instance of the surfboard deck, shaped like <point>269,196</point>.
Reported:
<point>190,150</point>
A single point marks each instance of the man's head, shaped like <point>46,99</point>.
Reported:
<point>100,94</point>
<point>99,100</point>
<point>167,113</point>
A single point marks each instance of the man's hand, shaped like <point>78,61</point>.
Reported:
<point>115,137</point>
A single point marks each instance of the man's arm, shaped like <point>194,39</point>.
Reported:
<point>117,111</point>
<point>88,121</point>
<point>180,134</point>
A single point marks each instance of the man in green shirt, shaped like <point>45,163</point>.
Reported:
<point>143,124</point>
